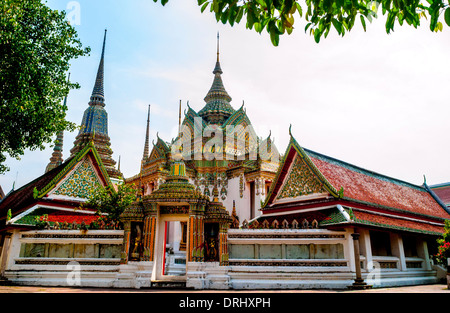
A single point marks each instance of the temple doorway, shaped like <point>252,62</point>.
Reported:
<point>171,249</point>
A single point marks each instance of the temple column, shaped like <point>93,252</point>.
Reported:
<point>126,242</point>
<point>359,281</point>
<point>223,248</point>
<point>196,234</point>
<point>398,250</point>
<point>366,248</point>
<point>4,253</point>
<point>422,251</point>
<point>150,215</point>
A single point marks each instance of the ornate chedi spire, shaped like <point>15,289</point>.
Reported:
<point>147,138</point>
<point>57,156</point>
<point>94,126</point>
<point>218,107</point>
<point>98,94</point>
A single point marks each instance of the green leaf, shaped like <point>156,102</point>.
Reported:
<point>275,38</point>
<point>317,35</point>
<point>224,16</point>
<point>299,8</point>
<point>363,22</point>
<point>307,26</point>
<point>447,16</point>
<point>337,25</point>
<point>258,27</point>
<point>204,6</point>
<point>240,14</point>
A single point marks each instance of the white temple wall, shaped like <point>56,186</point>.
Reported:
<point>64,257</point>
<point>242,204</point>
<point>259,259</point>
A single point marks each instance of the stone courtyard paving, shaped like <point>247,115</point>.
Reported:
<point>435,288</point>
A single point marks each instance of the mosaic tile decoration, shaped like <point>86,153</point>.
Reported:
<point>81,183</point>
<point>301,181</point>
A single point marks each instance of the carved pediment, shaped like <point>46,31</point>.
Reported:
<point>301,181</point>
<point>80,183</point>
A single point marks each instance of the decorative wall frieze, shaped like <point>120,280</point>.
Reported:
<point>66,261</point>
<point>293,235</point>
<point>287,263</point>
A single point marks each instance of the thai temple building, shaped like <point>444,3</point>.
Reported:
<point>218,207</point>
<point>236,168</point>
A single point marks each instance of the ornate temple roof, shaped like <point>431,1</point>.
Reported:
<point>218,107</point>
<point>307,179</point>
<point>217,114</point>
<point>56,180</point>
<point>176,188</point>
<point>373,188</point>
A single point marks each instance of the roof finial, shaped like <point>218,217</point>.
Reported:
<point>147,136</point>
<point>179,120</point>
<point>218,46</point>
<point>98,94</point>
<point>217,69</point>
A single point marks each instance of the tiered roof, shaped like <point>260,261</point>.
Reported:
<point>36,193</point>
<point>310,180</point>
<point>218,107</point>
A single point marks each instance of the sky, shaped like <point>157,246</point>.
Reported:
<point>376,100</point>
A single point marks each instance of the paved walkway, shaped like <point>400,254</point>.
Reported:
<point>437,288</point>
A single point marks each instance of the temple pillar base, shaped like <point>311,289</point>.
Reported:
<point>359,284</point>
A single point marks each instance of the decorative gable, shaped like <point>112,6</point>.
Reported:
<point>156,154</point>
<point>80,183</point>
<point>298,176</point>
<point>301,181</point>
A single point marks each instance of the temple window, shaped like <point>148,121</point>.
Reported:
<point>410,246</point>
<point>380,243</point>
